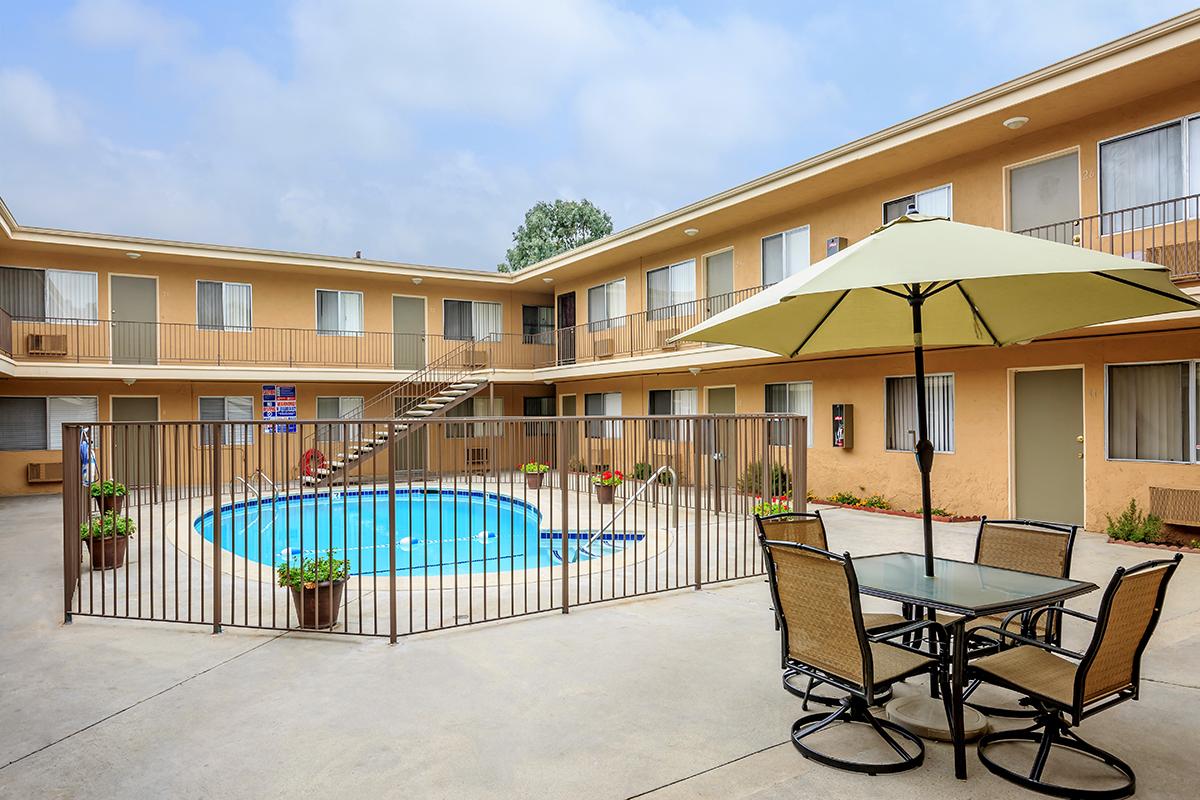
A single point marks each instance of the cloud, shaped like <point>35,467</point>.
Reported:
<point>128,24</point>
<point>33,110</point>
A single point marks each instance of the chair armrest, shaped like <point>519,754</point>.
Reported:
<point>1062,651</point>
<point>935,628</point>
<point>1059,610</point>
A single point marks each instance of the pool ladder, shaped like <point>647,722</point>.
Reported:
<point>251,490</point>
<point>653,479</point>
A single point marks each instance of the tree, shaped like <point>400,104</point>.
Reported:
<point>553,228</point>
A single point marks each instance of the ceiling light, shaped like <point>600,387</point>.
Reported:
<point>694,370</point>
<point>417,281</point>
<point>690,231</point>
<point>134,255</point>
<point>548,280</point>
<point>1012,123</point>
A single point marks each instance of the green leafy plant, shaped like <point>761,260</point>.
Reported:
<point>774,505</point>
<point>108,489</point>
<point>845,498</point>
<point>534,468</point>
<point>1194,544</point>
<point>553,228</point>
<point>641,471</point>
<point>875,501</point>
<point>610,477</point>
<point>936,511</point>
<point>751,481</point>
<point>312,571</point>
<point>1133,525</point>
<point>106,525</point>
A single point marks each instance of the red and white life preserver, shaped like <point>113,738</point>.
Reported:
<point>312,460</point>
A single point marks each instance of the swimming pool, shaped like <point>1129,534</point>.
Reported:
<point>438,532</point>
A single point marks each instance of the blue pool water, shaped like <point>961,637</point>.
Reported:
<point>437,532</point>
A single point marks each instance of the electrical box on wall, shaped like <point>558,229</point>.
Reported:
<point>835,244</point>
<point>843,425</point>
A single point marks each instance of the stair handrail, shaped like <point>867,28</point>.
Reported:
<point>654,476</point>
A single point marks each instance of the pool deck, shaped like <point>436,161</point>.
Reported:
<point>674,696</point>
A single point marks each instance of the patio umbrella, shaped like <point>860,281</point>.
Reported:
<point>928,282</point>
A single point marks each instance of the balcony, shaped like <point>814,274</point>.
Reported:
<point>1166,233</point>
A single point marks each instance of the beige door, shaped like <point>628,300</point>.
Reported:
<point>721,441</point>
<point>1045,195</point>
<point>1048,445</point>
<point>718,282</point>
<point>134,446</point>
<point>134,320</point>
<point>408,332</point>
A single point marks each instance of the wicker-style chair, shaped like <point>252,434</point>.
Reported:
<point>1067,687</point>
<point>822,636</point>
<point>808,528</point>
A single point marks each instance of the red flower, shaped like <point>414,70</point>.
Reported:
<point>607,475</point>
<point>620,475</point>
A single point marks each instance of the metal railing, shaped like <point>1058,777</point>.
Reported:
<point>1166,233</point>
<point>443,532</point>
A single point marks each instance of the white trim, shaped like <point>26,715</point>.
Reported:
<point>1193,402</point>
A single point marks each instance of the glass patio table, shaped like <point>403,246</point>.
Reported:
<point>964,588</point>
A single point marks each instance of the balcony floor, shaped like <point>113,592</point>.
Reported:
<point>674,696</point>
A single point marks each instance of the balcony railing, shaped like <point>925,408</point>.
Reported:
<point>1166,233</point>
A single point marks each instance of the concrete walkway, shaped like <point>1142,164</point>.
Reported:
<point>669,697</point>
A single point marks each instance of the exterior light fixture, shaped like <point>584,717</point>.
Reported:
<point>547,280</point>
<point>690,231</point>
<point>134,256</point>
<point>1012,123</point>
<point>417,281</point>
<point>694,370</point>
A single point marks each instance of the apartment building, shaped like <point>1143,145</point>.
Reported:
<point>1099,151</point>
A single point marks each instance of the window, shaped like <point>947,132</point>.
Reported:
<point>339,313</point>
<point>1153,412</point>
<point>606,306</point>
<point>466,319</point>
<point>539,407</point>
<point>1148,167</point>
<point>933,202</point>
<point>350,407</point>
<point>789,398</point>
<point>228,408</point>
<point>223,306</point>
<point>476,407</point>
<point>900,412</point>
<point>607,404</point>
<point>668,287</point>
<point>664,402</point>
<point>784,254</point>
<point>38,294</point>
<point>35,423</point>
<point>537,324</point>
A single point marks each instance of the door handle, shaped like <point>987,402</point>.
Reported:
<point>1079,438</point>
<point>1079,455</point>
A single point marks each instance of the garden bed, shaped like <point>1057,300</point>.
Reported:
<point>1175,548</point>
<point>895,512</point>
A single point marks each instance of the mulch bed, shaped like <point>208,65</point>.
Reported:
<point>1176,548</point>
<point>895,512</point>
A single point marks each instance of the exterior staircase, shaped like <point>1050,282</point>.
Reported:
<point>430,392</point>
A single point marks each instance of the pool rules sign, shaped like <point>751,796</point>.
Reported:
<point>279,402</point>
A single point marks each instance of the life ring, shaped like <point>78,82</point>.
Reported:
<point>312,460</point>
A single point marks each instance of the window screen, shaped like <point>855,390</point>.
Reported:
<point>784,254</point>
<point>23,292</point>
<point>607,404</point>
<point>339,313</point>
<point>22,423</point>
<point>900,411</point>
<point>1148,411</point>
<point>228,408</point>
<point>669,287</point>
<point>789,398</point>
<point>1138,170</point>
<point>71,294</point>
<point>69,409</point>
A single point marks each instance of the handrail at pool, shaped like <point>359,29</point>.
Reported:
<point>665,469</point>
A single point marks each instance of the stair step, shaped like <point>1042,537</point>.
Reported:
<point>421,413</point>
<point>336,464</point>
<point>464,386</point>
<point>351,457</point>
<point>309,479</point>
<point>454,392</point>
<point>431,406</point>
<point>443,399</point>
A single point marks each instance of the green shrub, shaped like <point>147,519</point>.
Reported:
<point>936,511</point>
<point>845,498</point>
<point>875,501</point>
<point>313,571</point>
<point>106,525</point>
<point>1132,525</point>
<point>108,489</point>
<point>641,471</point>
<point>751,480</point>
<point>534,468</point>
<point>775,505</point>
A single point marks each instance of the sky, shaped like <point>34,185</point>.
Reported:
<point>422,131</point>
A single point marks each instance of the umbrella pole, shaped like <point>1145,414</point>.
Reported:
<point>924,450</point>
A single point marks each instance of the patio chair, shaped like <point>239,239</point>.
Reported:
<point>822,636</point>
<point>1043,548</point>
<point>1067,687</point>
<point>808,528</point>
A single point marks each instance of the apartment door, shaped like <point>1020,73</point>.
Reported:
<point>718,281</point>
<point>1048,445</point>
<point>1045,195</point>
<point>134,320</point>
<point>722,441</point>
<point>408,332</point>
<point>566,328</point>
<point>134,451</point>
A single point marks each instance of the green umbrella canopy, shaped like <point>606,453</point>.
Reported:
<point>981,286</point>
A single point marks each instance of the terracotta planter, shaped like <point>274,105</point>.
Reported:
<point>111,502</point>
<point>534,480</point>
<point>107,552</point>
<point>604,494</point>
<point>318,605</point>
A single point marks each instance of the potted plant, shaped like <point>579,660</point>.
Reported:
<point>535,473</point>
<point>765,507</point>
<point>110,495</point>
<point>316,585</point>
<point>107,536</point>
<point>606,484</point>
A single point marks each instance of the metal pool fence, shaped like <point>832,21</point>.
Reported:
<point>439,524</point>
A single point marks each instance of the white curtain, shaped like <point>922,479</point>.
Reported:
<point>1148,412</point>
<point>934,202</point>
<point>1138,170</point>
<point>71,295</point>
<point>69,409</point>
<point>789,398</point>
<point>486,321</point>
<point>772,259</point>
<point>236,304</point>
<point>901,411</point>
<point>784,254</point>
<point>606,305</point>
<point>795,250</point>
<point>351,311</point>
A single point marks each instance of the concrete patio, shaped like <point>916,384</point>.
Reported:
<point>668,697</point>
